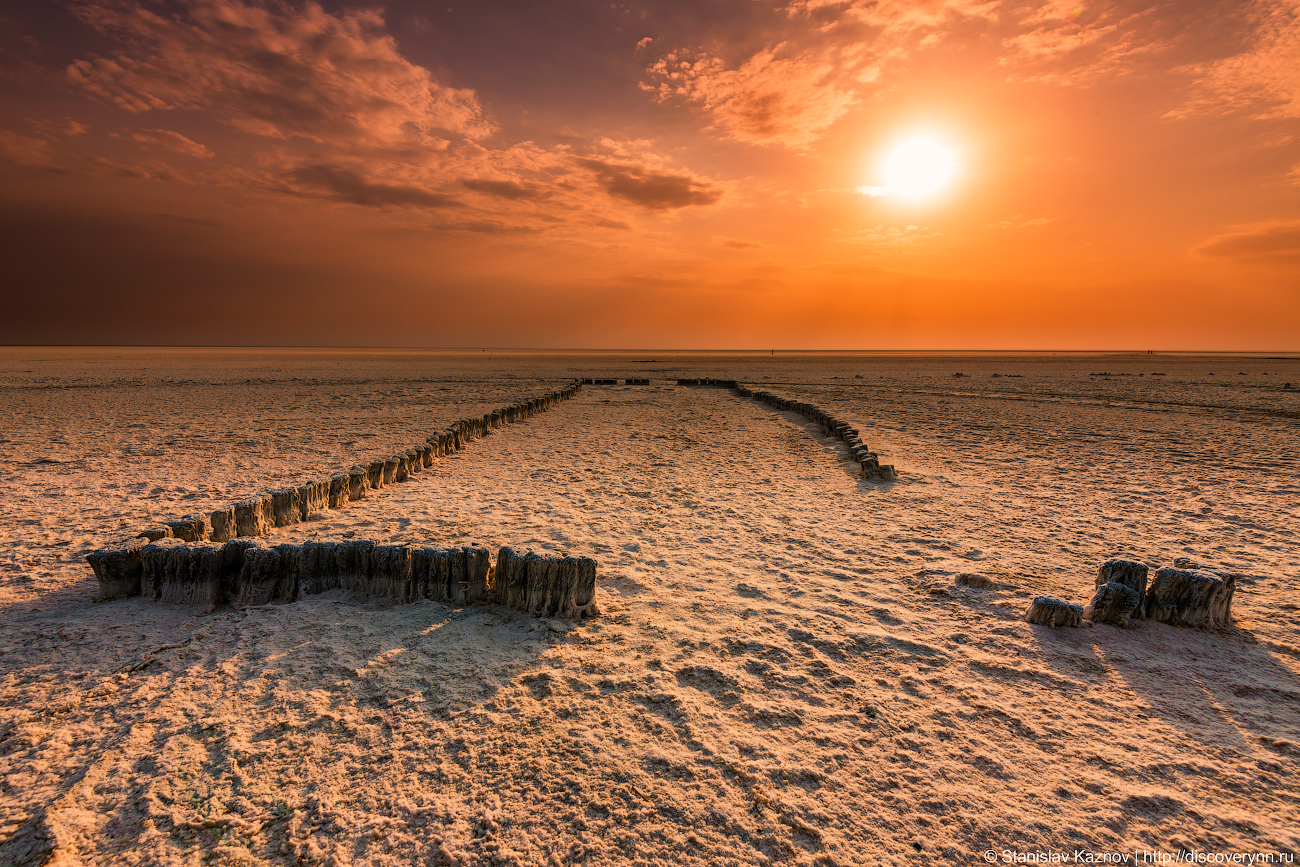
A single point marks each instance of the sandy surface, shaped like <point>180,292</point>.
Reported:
<point>786,670</point>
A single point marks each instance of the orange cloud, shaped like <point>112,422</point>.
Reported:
<point>61,128</point>
<point>1065,43</point>
<point>768,99</point>
<point>898,16</point>
<point>1261,79</point>
<point>168,139</point>
<point>1276,243</point>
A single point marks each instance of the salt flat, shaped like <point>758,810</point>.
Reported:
<point>786,669</point>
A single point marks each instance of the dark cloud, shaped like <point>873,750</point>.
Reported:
<point>345,185</point>
<point>275,71</point>
<point>1269,243</point>
<point>504,189</point>
<point>655,191</point>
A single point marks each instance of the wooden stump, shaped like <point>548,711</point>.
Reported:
<point>286,506</point>
<point>458,582</point>
<point>358,482</point>
<point>510,580</point>
<point>545,586</point>
<point>254,517</point>
<point>1130,573</point>
<point>478,573</point>
<point>259,577</point>
<point>390,573</point>
<point>391,466</point>
<point>191,528</point>
<point>424,573</point>
<point>340,490</point>
<point>223,525</point>
<point>575,595</point>
<point>1050,611</point>
<point>1182,597</point>
<point>584,593</point>
<point>440,588</point>
<point>118,568</point>
<point>232,564</point>
<point>1112,604</point>
<point>314,497</point>
<point>540,577</point>
<point>157,568</point>
<point>194,576</point>
<point>352,564</point>
<point>316,569</point>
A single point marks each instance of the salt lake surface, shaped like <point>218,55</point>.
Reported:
<point>786,669</point>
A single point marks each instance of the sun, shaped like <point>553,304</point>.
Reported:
<point>919,167</point>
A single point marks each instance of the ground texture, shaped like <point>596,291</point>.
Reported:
<point>789,666</point>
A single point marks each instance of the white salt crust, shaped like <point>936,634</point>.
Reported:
<point>792,665</point>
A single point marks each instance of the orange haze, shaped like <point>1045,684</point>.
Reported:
<point>663,174</point>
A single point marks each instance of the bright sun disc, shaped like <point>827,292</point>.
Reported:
<point>919,167</point>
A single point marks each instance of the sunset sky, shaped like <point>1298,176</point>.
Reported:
<point>651,174</point>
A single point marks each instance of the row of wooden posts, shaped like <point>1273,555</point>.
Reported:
<point>220,557</point>
<point>868,460</point>
<point>119,566</point>
<point>248,571</point>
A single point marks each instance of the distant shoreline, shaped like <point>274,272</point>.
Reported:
<point>1280,355</point>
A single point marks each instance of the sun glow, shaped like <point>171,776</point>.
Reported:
<point>916,167</point>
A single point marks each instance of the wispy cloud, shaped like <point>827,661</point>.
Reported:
<point>1276,242</point>
<point>1019,223</point>
<point>168,139</point>
<point>1064,42</point>
<point>771,98</point>
<point>895,238</point>
<point>1264,78</point>
<point>53,128</point>
<point>21,150</point>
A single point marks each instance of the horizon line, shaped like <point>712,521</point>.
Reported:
<point>592,350</point>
